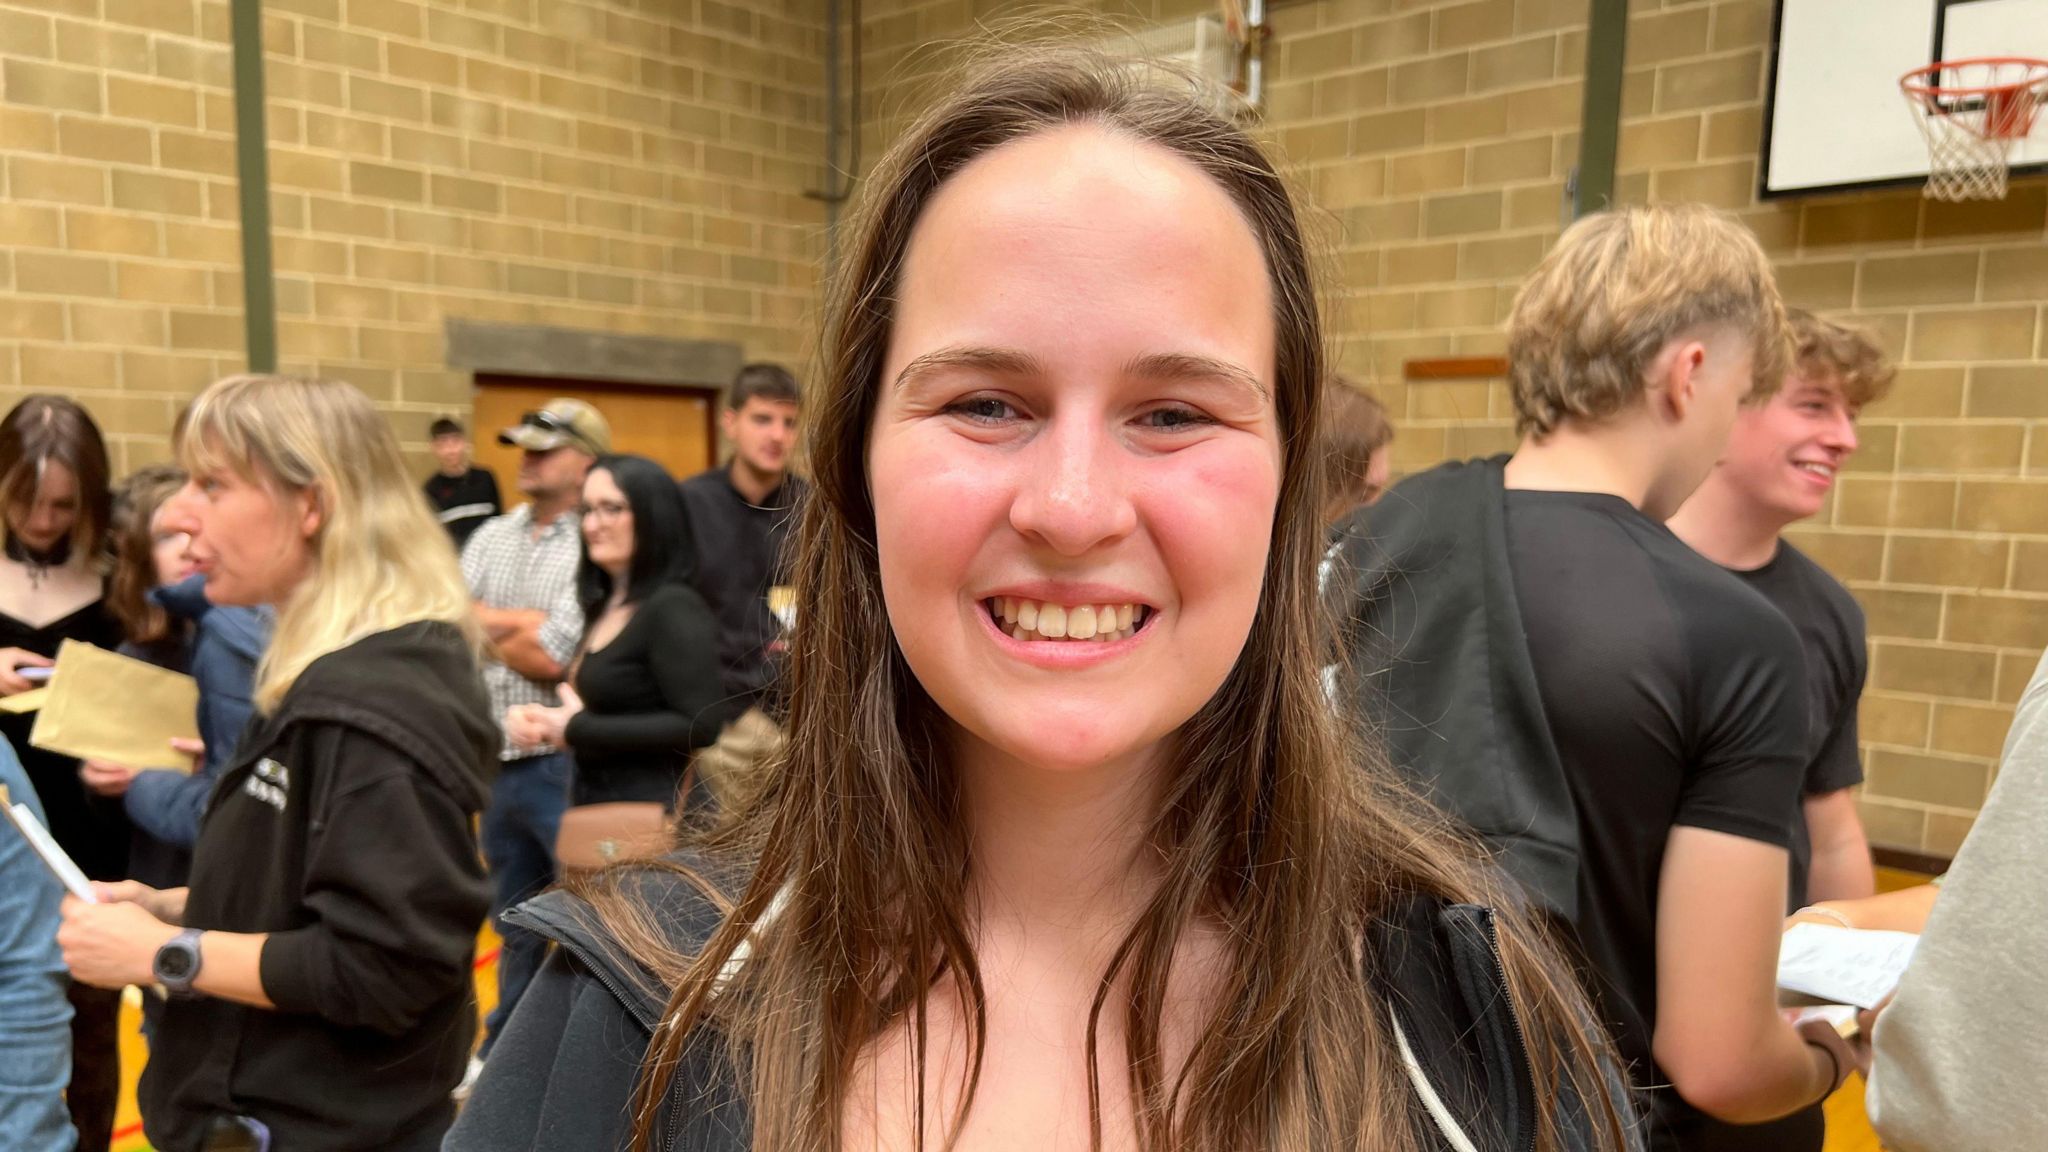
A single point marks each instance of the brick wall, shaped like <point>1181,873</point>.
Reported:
<point>1436,139</point>
<point>627,166</point>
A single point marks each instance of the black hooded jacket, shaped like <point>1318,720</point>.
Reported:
<point>343,828</point>
<point>562,1073</point>
<point>1438,661</point>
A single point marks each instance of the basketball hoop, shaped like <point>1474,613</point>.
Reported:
<point>1971,112</point>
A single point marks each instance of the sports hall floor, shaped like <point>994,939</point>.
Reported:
<point>1848,1130</point>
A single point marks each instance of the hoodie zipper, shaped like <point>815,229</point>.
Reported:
<point>1526,1116</point>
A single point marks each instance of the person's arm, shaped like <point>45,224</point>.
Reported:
<point>1905,910</point>
<point>113,943</point>
<point>34,1016</point>
<point>1957,1053</point>
<point>682,652</point>
<point>1841,867</point>
<point>1719,1035</point>
<point>394,890</point>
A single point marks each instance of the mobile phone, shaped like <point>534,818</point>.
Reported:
<point>35,673</point>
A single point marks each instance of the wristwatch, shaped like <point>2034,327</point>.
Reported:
<point>177,963</point>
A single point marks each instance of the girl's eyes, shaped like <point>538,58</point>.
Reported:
<point>995,410</point>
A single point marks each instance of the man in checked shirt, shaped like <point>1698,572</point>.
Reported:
<point>521,570</point>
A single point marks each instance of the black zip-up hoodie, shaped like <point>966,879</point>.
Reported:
<point>343,828</point>
<point>561,1074</point>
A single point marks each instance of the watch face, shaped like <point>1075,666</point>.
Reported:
<point>174,963</point>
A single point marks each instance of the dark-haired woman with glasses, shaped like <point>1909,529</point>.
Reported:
<point>643,692</point>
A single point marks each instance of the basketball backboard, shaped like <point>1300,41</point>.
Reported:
<point>1833,116</point>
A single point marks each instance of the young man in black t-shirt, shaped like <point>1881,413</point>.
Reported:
<point>462,496</point>
<point>1781,463</point>
<point>1620,718</point>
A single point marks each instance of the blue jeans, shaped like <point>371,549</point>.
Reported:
<point>519,829</point>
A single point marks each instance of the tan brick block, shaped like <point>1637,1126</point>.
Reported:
<point>1861,221</point>
<point>465,193</point>
<point>1421,264</point>
<point>2015,672</point>
<point>1350,182</point>
<point>1397,38</point>
<point>1549,108</point>
<point>428,149</point>
<point>468,272</point>
<point>398,17</point>
<point>2019,214</point>
<point>2015,274</point>
<point>536,204</point>
<point>416,65</point>
<point>192,152</point>
<point>334,300</point>
<point>351,50</point>
<point>571,247</point>
<point>1337,95</point>
<point>291,168</point>
<point>103,48</point>
<point>497,79</point>
<point>529,47</point>
<point>1456,308</point>
<point>28,129</point>
<point>1899,614</point>
<point>1970,729</point>
<point>406,346</point>
<point>1741,24</point>
<point>1729,184</point>
<point>194,63</point>
<point>1877,451</point>
<point>1936,278</point>
<point>378,262</point>
<point>1463,25</point>
<point>1659,143</point>
<point>507,160</point>
<point>1436,78</point>
<point>63,368</point>
<point>1317,53</point>
<point>51,85</point>
<point>1673,34</point>
<point>2029,566</point>
<point>1548,15</point>
<point>1979,334</point>
<point>1951,561</point>
<point>466,115</point>
<point>1538,206</point>
<point>178,17</point>
<point>25,225</point>
<point>384,182</point>
<point>1422,172</point>
<point>1892,825</point>
<point>133,98</point>
<point>159,283</point>
<point>1997,620</point>
<point>1948,781</point>
<point>1963,448</point>
<point>343,217</point>
<point>1921,392</point>
<point>217,243</point>
<point>1514,65</point>
<point>1945,834</point>
<point>382,98</point>
<point>1639,94</point>
<point>1705,83</point>
<point>1456,121</point>
<point>2003,506</point>
<point>64,181</point>
<point>536,280</point>
<point>1823,284</point>
<point>215,331</point>
<point>1896,720</point>
<point>1510,160</point>
<point>1733,132</point>
<point>124,324</point>
<point>2008,391</point>
<point>25,319</point>
<point>504,238</point>
<point>153,192</point>
<point>26,34</point>
<point>432,228</point>
<point>88,231</point>
<point>60,274</point>
<point>605,288</point>
<point>98,139</point>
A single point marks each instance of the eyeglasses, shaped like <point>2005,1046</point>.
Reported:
<point>604,512</point>
<point>548,422</point>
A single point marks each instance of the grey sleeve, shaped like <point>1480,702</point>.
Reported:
<point>1958,1054</point>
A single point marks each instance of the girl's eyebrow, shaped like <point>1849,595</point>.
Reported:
<point>1010,362</point>
<point>1188,366</point>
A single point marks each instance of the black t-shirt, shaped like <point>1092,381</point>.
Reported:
<point>1673,693</point>
<point>1830,627</point>
<point>651,697</point>
<point>739,557</point>
<point>464,502</point>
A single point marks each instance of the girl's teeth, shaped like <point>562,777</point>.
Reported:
<point>1093,623</point>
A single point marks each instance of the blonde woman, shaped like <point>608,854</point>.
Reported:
<point>319,964</point>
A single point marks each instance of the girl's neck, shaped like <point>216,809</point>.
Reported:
<point>1064,851</point>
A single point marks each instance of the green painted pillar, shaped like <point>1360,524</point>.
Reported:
<point>252,166</point>
<point>1600,117</point>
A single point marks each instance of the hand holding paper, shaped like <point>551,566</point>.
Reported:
<point>104,706</point>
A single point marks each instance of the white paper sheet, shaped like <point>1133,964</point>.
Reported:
<point>1843,965</point>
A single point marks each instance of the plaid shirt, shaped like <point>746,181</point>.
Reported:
<point>507,566</point>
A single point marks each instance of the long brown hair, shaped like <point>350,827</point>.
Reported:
<point>1270,826</point>
<point>134,547</point>
<point>43,429</point>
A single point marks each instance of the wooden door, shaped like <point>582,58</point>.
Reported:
<point>671,426</point>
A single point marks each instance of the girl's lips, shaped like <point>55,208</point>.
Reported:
<point>1061,655</point>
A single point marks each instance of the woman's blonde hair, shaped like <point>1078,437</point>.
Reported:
<point>379,558</point>
<point>1619,286</point>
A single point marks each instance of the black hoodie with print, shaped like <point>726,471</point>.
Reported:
<point>343,828</point>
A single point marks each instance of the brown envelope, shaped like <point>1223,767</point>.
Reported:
<point>105,706</point>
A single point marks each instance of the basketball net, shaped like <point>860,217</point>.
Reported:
<point>1971,114</point>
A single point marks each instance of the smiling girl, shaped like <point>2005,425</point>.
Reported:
<point>1066,850</point>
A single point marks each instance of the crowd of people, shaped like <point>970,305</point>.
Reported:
<point>1095,751</point>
